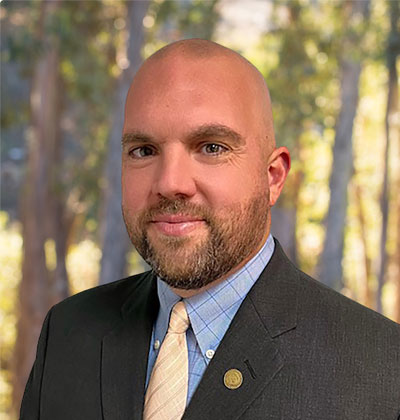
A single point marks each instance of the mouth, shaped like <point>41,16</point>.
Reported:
<point>176,224</point>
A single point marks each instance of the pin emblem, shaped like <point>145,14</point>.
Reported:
<point>233,379</point>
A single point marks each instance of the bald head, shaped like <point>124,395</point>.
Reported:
<point>193,48</point>
<point>193,58</point>
<point>199,49</point>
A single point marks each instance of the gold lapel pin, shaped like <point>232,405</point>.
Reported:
<point>233,379</point>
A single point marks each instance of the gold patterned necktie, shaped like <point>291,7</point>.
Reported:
<point>167,390</point>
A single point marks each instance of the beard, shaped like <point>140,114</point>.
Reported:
<point>191,262</point>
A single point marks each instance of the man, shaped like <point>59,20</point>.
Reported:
<point>224,326</point>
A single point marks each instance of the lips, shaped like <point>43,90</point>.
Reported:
<point>175,218</point>
<point>176,224</point>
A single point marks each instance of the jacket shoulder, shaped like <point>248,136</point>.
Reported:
<point>327,301</point>
<point>99,308</point>
<point>330,319</point>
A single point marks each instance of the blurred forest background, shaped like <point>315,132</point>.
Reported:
<point>66,67</point>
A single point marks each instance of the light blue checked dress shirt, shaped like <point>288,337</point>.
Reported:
<point>210,314</point>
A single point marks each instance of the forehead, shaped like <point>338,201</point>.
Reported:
<point>175,69</point>
<point>192,91</point>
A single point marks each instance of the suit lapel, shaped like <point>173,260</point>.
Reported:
<point>250,345</point>
<point>248,348</point>
<point>122,376</point>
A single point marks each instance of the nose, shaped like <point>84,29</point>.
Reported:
<point>175,175</point>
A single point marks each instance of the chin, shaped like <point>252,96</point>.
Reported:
<point>170,243</point>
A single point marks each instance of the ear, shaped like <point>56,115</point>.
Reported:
<point>278,168</point>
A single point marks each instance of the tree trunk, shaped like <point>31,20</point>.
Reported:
<point>367,296</point>
<point>284,216</point>
<point>330,264</point>
<point>283,228</point>
<point>40,215</point>
<point>391,131</point>
<point>397,254</point>
<point>115,238</point>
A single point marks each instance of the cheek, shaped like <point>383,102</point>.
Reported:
<point>134,190</point>
<point>231,187</point>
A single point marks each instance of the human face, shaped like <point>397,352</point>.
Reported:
<point>195,185</point>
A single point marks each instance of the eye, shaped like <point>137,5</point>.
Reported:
<point>141,152</point>
<point>213,149</point>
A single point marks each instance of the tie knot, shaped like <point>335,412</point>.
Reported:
<point>179,321</point>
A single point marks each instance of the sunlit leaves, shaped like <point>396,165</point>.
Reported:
<point>10,275</point>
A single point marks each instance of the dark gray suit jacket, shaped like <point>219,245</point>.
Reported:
<point>305,352</point>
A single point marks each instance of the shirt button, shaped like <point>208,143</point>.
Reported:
<point>156,344</point>
<point>210,354</point>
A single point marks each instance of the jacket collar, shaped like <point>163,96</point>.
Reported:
<point>125,351</point>
<point>275,295</point>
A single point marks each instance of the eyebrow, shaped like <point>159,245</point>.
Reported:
<point>211,131</point>
<point>135,137</point>
<point>204,132</point>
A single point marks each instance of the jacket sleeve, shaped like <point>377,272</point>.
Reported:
<point>30,407</point>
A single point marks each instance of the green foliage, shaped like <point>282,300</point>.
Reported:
<point>21,43</point>
<point>198,19</point>
<point>301,74</point>
<point>172,20</point>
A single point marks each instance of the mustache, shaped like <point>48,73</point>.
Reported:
<point>177,206</point>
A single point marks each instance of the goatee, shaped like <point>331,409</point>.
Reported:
<point>233,234</point>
